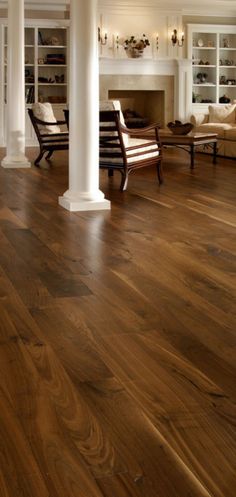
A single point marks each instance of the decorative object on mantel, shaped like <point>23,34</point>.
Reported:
<point>134,46</point>
<point>179,128</point>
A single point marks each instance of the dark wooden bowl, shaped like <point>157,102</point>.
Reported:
<point>180,129</point>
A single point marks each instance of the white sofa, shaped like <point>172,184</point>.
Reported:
<point>220,119</point>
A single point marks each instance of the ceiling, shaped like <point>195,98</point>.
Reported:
<point>198,7</point>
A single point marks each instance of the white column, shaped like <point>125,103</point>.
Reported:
<point>15,87</point>
<point>83,193</point>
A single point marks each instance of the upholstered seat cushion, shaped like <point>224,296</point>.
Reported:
<point>44,112</point>
<point>218,128</point>
<point>230,134</point>
<point>132,142</point>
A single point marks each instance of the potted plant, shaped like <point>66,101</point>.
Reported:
<point>134,47</point>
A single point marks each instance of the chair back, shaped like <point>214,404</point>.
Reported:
<point>44,112</point>
<point>111,105</point>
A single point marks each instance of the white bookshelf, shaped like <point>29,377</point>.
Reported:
<point>46,68</point>
<point>212,49</point>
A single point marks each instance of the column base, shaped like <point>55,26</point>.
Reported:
<point>15,163</point>
<point>79,203</point>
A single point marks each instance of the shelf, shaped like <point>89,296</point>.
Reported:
<point>203,65</point>
<point>29,84</point>
<point>210,85</point>
<point>52,84</point>
<point>223,48</point>
<point>52,65</point>
<point>203,103</point>
<point>29,46</point>
<point>227,86</point>
<point>204,48</point>
<point>52,46</point>
<point>227,67</point>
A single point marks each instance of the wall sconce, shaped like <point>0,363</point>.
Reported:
<point>117,42</point>
<point>175,40</point>
<point>157,41</point>
<point>102,39</point>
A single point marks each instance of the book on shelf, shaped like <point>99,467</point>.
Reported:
<point>29,95</point>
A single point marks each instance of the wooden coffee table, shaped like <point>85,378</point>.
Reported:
<point>190,142</point>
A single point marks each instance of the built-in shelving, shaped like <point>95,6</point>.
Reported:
<point>44,81</point>
<point>212,49</point>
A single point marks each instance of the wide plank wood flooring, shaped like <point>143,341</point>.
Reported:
<point>117,334</point>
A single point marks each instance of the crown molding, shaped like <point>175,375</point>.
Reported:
<point>213,8</point>
<point>55,5</point>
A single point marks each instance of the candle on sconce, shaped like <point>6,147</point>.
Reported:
<point>116,40</point>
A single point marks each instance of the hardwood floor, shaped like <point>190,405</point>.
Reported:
<point>117,334</point>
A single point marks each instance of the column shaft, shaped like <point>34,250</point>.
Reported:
<point>83,192</point>
<point>15,87</point>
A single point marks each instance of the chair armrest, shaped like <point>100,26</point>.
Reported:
<point>62,134</point>
<point>139,131</point>
<point>198,119</point>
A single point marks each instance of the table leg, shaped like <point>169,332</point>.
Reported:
<point>192,155</point>
<point>214,152</point>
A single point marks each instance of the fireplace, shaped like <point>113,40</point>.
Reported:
<point>150,96</point>
<point>157,89</point>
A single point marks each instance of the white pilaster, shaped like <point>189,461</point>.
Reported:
<point>83,193</point>
<point>15,157</point>
<point>183,89</point>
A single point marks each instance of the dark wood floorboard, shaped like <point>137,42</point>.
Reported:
<point>117,334</point>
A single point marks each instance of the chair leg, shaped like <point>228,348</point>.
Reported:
<point>49,154</point>
<point>124,181</point>
<point>160,172</point>
<point>110,173</point>
<point>40,156</point>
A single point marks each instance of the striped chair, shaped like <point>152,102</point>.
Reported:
<point>118,151</point>
<point>48,131</point>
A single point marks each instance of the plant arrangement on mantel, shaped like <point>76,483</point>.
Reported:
<point>134,46</point>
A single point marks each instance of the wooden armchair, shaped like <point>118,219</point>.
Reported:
<point>50,136</point>
<point>121,152</point>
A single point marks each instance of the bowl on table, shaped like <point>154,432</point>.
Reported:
<point>178,128</point>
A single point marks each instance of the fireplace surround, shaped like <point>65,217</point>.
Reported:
<point>158,89</point>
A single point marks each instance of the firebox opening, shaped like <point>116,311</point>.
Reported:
<point>147,106</point>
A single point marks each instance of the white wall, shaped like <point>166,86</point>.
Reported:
<point>149,21</point>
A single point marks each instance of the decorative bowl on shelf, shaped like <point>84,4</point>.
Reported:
<point>179,128</point>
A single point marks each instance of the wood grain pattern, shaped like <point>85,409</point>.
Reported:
<point>117,335</point>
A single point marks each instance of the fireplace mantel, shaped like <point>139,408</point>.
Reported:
<point>180,69</point>
<point>138,66</point>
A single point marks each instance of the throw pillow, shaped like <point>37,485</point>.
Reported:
<point>44,112</point>
<point>222,114</point>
